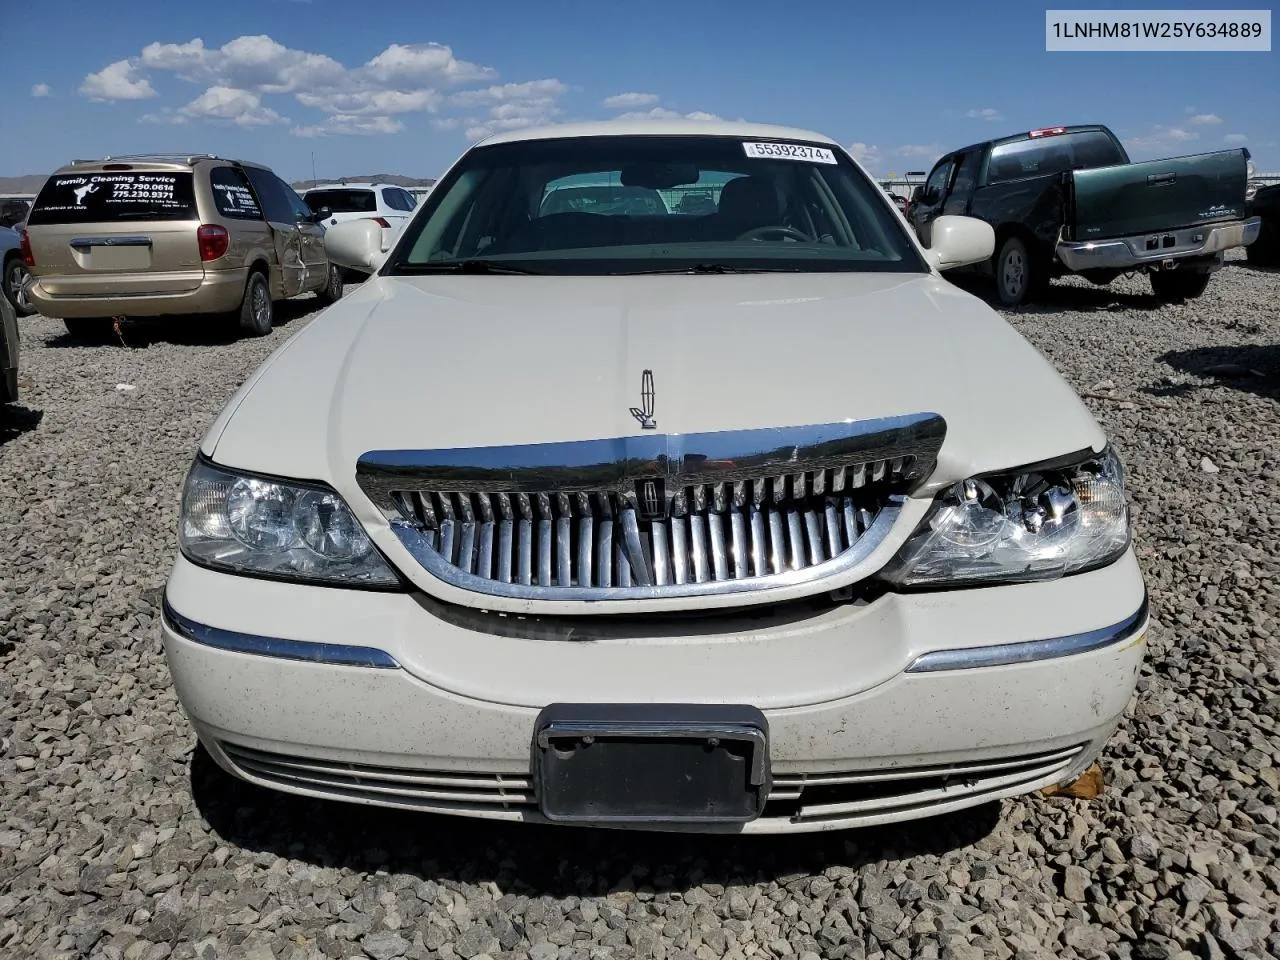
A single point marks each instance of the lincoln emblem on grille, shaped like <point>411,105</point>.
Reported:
<point>651,502</point>
<point>644,412</point>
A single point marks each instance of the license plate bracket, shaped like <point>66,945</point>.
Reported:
<point>651,763</point>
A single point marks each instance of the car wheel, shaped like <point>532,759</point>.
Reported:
<point>331,292</point>
<point>1016,274</point>
<point>256,310</point>
<point>16,275</point>
<point>1175,286</point>
<point>90,329</point>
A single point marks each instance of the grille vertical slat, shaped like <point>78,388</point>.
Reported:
<point>467,548</point>
<point>835,544</point>
<point>795,539</point>
<point>447,533</point>
<point>680,549</point>
<point>759,543</point>
<point>506,533</point>
<point>564,548</point>
<point>604,554</point>
<point>813,532</point>
<point>777,543</point>
<point>698,538</point>
<point>719,555</point>
<point>586,526</point>
<point>623,564</point>
<point>544,553</point>
<point>661,555</point>
<point>738,538</point>
<point>524,546</point>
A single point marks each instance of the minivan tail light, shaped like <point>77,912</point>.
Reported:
<point>214,241</point>
<point>24,249</point>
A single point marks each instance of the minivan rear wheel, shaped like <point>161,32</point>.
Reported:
<point>331,292</point>
<point>256,313</point>
<point>90,329</point>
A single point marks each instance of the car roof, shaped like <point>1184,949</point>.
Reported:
<point>178,161</point>
<point>354,185</point>
<point>680,127</point>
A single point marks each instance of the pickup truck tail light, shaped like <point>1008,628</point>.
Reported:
<point>24,249</point>
<point>214,241</point>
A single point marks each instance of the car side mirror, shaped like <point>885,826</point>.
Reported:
<point>959,241</point>
<point>356,244</point>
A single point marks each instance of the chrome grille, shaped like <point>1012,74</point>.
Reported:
<point>652,517</point>
<point>713,532</point>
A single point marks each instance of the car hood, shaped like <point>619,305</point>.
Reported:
<point>440,362</point>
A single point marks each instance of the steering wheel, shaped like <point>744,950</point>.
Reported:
<point>759,233</point>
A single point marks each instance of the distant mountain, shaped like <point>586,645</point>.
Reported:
<point>31,183</point>
<point>393,178</point>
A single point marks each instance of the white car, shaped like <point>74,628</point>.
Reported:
<point>746,521</point>
<point>388,205</point>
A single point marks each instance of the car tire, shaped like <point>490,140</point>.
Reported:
<point>16,275</point>
<point>257,313</point>
<point>90,329</point>
<point>331,292</point>
<point>1176,286</point>
<point>1018,277</point>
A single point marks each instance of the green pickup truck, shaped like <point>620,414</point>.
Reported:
<point>1068,200</point>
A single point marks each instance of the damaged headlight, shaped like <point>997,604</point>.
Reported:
<point>1034,524</point>
<point>274,528</point>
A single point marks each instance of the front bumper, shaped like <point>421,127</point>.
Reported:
<point>220,291</point>
<point>1127,253</point>
<point>876,713</point>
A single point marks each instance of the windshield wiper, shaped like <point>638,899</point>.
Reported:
<point>463,266</point>
<point>706,268</point>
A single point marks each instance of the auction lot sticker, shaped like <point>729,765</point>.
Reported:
<point>789,151</point>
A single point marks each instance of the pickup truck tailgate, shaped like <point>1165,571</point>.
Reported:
<point>1157,195</point>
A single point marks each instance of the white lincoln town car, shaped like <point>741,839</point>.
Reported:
<point>657,479</point>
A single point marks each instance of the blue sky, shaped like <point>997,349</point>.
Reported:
<point>403,87</point>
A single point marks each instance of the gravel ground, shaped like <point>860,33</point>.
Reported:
<point>115,842</point>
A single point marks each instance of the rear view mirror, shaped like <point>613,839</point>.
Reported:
<point>659,176</point>
<point>355,244</point>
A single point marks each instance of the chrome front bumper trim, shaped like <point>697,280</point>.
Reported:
<point>329,653</point>
<point>1128,252</point>
<point>1005,654</point>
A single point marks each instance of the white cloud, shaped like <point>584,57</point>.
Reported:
<point>362,99</point>
<point>866,154</point>
<point>930,150</point>
<point>416,62</point>
<point>1235,138</point>
<point>342,124</point>
<point>629,101</point>
<point>117,81</point>
<point>41,90</point>
<point>1204,119</point>
<point>985,113</point>
<point>241,107</point>
<point>532,90</point>
<point>1161,138</point>
<point>663,113</point>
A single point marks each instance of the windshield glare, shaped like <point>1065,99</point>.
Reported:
<point>639,204</point>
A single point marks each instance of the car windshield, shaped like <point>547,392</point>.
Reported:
<point>643,204</point>
<point>342,201</point>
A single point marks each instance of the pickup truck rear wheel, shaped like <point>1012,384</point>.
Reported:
<point>1175,286</point>
<point>1018,276</point>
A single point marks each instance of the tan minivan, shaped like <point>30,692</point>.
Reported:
<point>151,236</point>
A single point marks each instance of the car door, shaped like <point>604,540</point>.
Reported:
<point>925,208</point>
<point>311,238</point>
<point>285,233</point>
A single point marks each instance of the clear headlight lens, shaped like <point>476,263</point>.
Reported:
<point>1034,525</point>
<point>272,528</point>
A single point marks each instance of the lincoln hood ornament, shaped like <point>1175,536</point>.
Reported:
<point>644,412</point>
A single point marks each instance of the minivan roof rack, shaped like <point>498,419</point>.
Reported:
<point>186,157</point>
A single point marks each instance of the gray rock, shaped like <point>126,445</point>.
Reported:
<point>384,945</point>
<point>1075,881</point>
